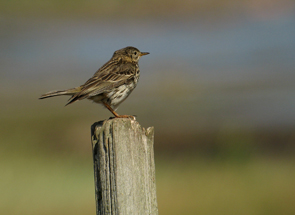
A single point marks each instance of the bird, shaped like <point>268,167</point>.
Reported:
<point>111,84</point>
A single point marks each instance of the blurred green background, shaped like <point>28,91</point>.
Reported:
<point>218,86</point>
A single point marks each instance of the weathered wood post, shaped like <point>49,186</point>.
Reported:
<point>124,168</point>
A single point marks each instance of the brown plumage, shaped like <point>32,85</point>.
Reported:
<point>111,84</point>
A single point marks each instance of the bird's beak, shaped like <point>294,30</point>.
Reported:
<point>143,53</point>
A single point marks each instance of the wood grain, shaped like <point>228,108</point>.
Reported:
<point>124,167</point>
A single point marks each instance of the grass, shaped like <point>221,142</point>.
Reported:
<point>260,186</point>
<point>46,185</point>
<point>46,164</point>
<point>79,9</point>
<point>34,184</point>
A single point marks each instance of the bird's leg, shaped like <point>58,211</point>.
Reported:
<point>110,109</point>
<point>115,114</point>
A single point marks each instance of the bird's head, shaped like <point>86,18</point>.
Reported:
<point>130,54</point>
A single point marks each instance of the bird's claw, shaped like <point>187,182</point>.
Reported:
<point>127,116</point>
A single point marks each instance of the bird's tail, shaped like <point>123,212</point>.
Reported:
<point>68,92</point>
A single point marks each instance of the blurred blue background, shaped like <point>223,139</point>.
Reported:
<point>217,86</point>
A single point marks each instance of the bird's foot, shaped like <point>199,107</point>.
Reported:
<point>126,116</point>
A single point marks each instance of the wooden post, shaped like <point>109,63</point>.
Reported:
<point>124,168</point>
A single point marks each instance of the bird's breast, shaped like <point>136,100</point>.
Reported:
<point>116,96</point>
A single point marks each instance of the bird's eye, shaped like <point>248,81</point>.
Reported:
<point>135,53</point>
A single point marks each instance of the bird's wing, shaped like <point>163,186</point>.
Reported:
<point>109,76</point>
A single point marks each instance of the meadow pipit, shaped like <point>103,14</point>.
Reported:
<point>111,84</point>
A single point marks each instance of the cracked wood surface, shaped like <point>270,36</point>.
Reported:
<point>124,167</point>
